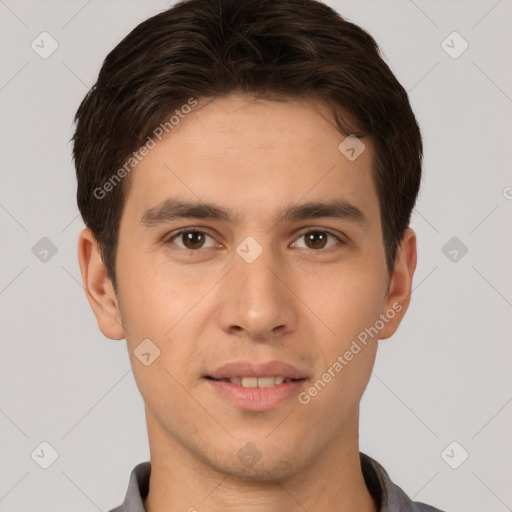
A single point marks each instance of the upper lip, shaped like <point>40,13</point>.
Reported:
<point>252,369</point>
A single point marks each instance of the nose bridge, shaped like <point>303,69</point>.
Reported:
<point>258,278</point>
<point>256,300</point>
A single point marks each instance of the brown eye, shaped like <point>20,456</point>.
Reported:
<point>190,239</point>
<point>317,239</point>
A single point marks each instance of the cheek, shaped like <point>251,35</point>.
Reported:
<point>347,299</point>
<point>350,306</point>
<point>163,305</point>
<point>155,297</point>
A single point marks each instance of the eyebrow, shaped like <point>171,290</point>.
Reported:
<point>171,209</point>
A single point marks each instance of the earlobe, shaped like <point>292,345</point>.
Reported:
<point>98,287</point>
<point>400,288</point>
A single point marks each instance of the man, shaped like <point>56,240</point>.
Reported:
<point>246,172</point>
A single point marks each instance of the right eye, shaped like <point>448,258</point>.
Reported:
<point>191,239</point>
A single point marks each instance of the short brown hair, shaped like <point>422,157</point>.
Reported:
<point>209,48</point>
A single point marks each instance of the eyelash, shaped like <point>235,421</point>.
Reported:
<point>169,239</point>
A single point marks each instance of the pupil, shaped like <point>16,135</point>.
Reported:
<point>314,237</point>
<point>193,240</point>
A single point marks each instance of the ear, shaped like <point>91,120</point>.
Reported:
<point>98,287</point>
<point>400,287</point>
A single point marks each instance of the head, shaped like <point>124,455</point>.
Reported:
<point>240,108</point>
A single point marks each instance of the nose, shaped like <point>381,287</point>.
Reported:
<point>257,301</point>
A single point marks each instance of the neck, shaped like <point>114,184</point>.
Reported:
<point>332,481</point>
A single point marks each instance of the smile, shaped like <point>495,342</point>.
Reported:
<point>257,382</point>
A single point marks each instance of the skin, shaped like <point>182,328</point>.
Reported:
<point>208,307</point>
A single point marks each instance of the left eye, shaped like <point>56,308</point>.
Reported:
<point>317,239</point>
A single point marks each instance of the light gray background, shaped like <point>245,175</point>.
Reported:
<point>445,376</point>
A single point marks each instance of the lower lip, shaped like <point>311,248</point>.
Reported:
<point>257,399</point>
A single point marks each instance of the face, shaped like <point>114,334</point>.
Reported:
<point>256,282</point>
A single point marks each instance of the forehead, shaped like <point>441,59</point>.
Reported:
<point>252,155</point>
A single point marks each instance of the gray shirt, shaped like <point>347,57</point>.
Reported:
<point>387,495</point>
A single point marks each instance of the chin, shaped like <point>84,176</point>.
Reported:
<point>263,472</point>
<point>268,467</point>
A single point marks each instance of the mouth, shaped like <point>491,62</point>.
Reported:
<point>251,374</point>
<point>256,387</point>
<point>258,382</point>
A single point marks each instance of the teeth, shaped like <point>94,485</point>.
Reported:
<point>257,382</point>
<point>266,382</point>
<point>250,382</point>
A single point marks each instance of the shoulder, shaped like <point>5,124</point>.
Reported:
<point>388,496</point>
<point>138,488</point>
